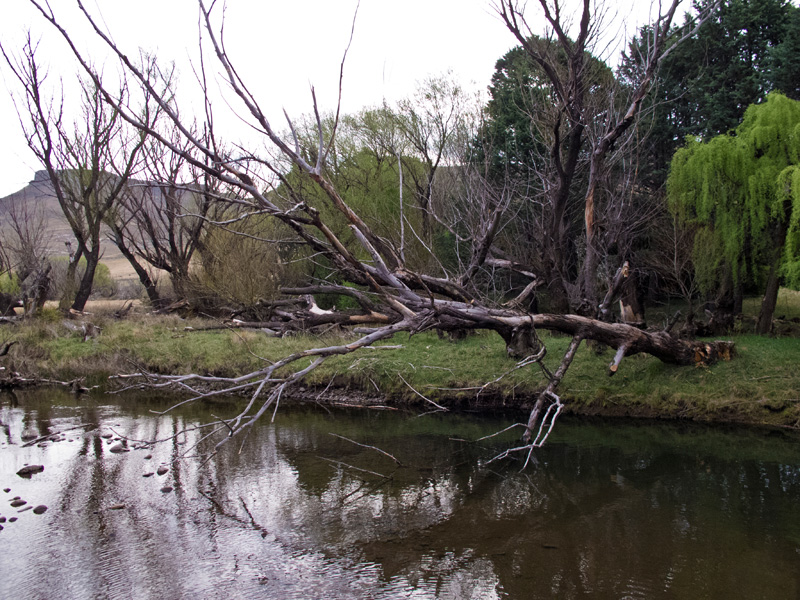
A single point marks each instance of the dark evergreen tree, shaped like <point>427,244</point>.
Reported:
<point>747,49</point>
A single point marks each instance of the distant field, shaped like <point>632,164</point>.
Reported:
<point>119,268</point>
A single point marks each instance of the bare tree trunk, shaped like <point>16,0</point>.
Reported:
<point>144,276</point>
<point>34,292</point>
<point>770,300</point>
<point>764,325</point>
<point>87,281</point>
<point>70,284</point>
<point>630,303</point>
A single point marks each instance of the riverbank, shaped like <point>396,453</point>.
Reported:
<point>760,386</point>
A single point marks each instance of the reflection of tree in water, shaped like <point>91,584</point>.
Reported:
<point>579,523</point>
<point>10,398</point>
<point>610,511</point>
<point>585,520</point>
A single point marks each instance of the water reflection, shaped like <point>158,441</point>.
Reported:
<point>610,510</point>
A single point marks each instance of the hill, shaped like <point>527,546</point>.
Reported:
<point>39,198</point>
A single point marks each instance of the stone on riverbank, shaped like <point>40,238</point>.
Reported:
<point>29,470</point>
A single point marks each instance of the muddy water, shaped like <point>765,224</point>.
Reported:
<point>609,510</point>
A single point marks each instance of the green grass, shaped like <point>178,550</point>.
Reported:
<point>761,385</point>
<point>787,307</point>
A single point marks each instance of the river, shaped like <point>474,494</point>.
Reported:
<point>308,507</point>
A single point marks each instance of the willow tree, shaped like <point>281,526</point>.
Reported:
<point>742,191</point>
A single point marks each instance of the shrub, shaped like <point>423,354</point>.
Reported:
<point>9,283</point>
<point>242,269</point>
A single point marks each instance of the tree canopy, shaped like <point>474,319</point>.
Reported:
<point>742,52</point>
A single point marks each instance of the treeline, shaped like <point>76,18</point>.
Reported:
<point>536,197</point>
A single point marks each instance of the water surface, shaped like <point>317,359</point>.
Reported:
<point>609,509</point>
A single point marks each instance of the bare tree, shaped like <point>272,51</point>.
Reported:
<point>672,260</point>
<point>26,247</point>
<point>27,244</point>
<point>586,133</point>
<point>160,220</point>
<point>88,163</point>
<point>394,297</point>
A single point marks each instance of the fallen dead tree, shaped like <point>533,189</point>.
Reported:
<point>392,295</point>
<point>12,380</point>
<point>302,314</point>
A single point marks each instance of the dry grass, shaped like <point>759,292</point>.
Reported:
<point>104,306</point>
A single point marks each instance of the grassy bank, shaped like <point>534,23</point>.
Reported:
<point>761,385</point>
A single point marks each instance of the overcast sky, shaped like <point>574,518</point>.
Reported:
<point>280,48</point>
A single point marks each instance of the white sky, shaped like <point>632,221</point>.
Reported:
<point>280,48</point>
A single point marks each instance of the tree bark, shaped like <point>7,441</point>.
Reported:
<point>764,325</point>
<point>144,277</point>
<point>631,305</point>
<point>769,302</point>
<point>661,344</point>
<point>87,280</point>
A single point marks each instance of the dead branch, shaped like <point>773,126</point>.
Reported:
<point>341,437</point>
<point>439,407</point>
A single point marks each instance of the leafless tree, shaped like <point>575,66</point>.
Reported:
<point>587,133</point>
<point>672,261</point>
<point>27,242</point>
<point>25,251</point>
<point>394,297</point>
<point>88,162</point>
<point>161,218</point>
<point>434,122</point>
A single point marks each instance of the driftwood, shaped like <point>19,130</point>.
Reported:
<point>11,380</point>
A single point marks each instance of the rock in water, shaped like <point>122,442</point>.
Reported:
<point>40,509</point>
<point>18,503</point>
<point>166,489</point>
<point>116,507</point>
<point>117,448</point>
<point>162,470</point>
<point>29,470</point>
